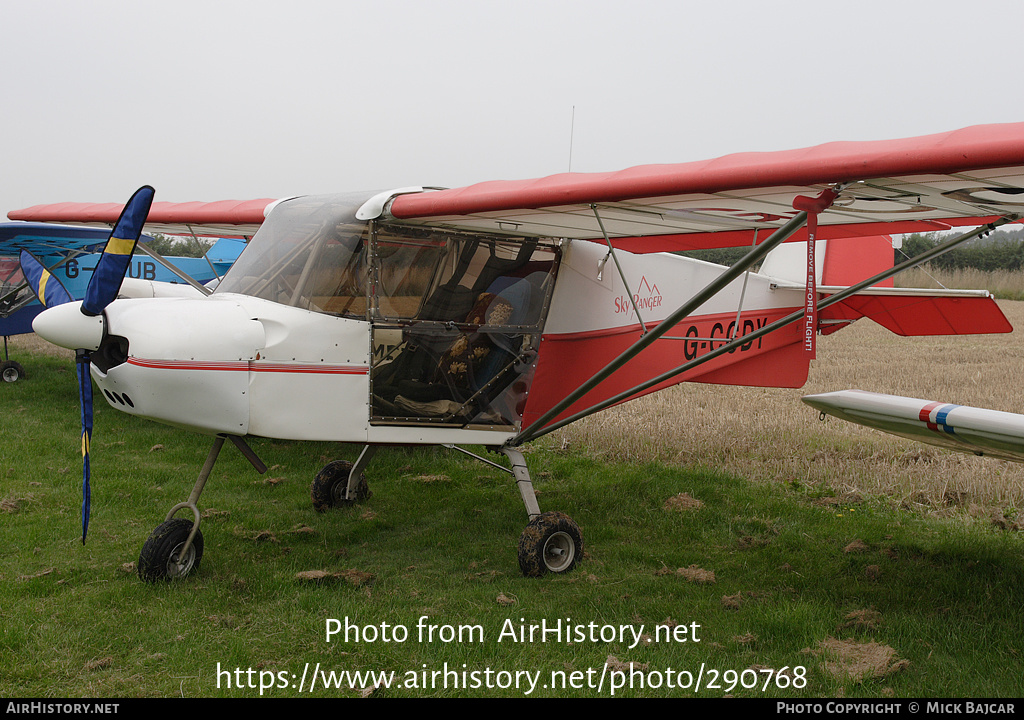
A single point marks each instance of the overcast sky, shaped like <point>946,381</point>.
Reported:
<point>220,100</point>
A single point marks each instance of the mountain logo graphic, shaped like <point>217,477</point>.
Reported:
<point>646,297</point>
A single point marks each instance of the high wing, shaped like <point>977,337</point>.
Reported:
<point>965,177</point>
<point>224,218</point>
<point>44,239</point>
<point>960,178</point>
<point>954,427</point>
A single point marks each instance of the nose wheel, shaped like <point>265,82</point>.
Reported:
<point>174,549</point>
<point>167,554</point>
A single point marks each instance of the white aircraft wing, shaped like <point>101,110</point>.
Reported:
<point>956,427</point>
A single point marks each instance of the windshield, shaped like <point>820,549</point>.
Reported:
<point>311,253</point>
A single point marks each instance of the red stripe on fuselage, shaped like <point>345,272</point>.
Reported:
<point>249,366</point>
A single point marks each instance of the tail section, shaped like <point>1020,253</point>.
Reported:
<point>850,260</point>
<point>842,262</point>
<point>839,261</point>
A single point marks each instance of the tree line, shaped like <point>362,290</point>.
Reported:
<point>1000,250</point>
<point>179,246</point>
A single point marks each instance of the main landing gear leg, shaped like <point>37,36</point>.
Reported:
<point>552,541</point>
<point>10,371</point>
<point>175,548</point>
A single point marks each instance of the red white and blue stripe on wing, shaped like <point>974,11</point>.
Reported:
<point>935,416</point>
<point>979,431</point>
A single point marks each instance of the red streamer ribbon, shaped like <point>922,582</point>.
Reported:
<point>812,206</point>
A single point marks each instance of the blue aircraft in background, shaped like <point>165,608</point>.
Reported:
<point>70,253</point>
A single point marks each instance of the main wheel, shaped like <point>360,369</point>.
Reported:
<point>330,487</point>
<point>552,542</point>
<point>160,559</point>
<point>11,371</point>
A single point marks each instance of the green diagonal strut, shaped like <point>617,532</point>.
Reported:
<point>712,289</point>
<point>537,428</point>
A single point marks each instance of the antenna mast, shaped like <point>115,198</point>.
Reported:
<point>572,128</point>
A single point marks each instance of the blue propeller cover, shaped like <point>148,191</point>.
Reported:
<point>117,255</point>
<point>44,284</point>
<point>82,363</point>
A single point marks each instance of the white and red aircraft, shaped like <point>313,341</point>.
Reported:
<point>495,313</point>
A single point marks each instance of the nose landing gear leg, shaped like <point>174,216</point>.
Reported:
<point>175,547</point>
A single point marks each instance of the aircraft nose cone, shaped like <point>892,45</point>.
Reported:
<point>65,325</point>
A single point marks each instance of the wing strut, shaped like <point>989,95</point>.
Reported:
<point>622,275</point>
<point>743,294</point>
<point>176,271</point>
<point>537,428</point>
<point>712,289</point>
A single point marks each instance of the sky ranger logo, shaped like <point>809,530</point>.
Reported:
<point>647,297</point>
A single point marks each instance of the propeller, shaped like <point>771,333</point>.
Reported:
<point>102,289</point>
<point>117,255</point>
<point>46,286</point>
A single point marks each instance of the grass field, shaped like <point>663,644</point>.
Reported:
<point>743,541</point>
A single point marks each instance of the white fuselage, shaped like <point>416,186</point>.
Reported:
<point>241,365</point>
<point>331,327</point>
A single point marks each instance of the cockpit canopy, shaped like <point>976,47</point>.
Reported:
<point>456,316</point>
<point>312,253</point>
<point>309,251</point>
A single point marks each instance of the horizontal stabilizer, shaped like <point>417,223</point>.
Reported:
<point>914,311</point>
<point>911,312</point>
<point>955,427</point>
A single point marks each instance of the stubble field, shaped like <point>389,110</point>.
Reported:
<point>768,434</point>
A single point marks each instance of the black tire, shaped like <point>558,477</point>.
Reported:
<point>11,371</point>
<point>552,542</point>
<point>158,560</point>
<point>330,487</point>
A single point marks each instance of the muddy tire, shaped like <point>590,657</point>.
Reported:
<point>552,542</point>
<point>330,487</point>
<point>159,558</point>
